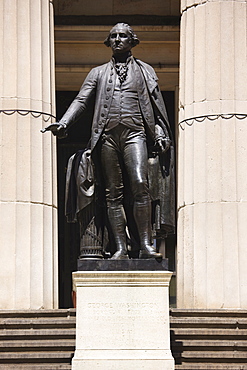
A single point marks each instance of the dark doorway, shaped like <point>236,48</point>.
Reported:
<point>68,234</point>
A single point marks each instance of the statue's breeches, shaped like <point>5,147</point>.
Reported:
<point>124,153</point>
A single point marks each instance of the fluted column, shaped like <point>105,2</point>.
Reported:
<point>28,235</point>
<point>212,160</point>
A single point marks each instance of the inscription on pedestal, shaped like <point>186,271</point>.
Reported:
<point>123,315</point>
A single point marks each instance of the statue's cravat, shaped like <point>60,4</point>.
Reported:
<point>122,70</point>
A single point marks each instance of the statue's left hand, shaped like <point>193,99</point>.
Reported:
<point>57,129</point>
<point>163,144</point>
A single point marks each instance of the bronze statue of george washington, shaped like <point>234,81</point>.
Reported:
<point>131,146</point>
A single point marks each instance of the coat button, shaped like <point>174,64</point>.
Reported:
<point>110,81</point>
<point>105,105</point>
<point>107,97</point>
<point>108,89</point>
<point>96,130</point>
<point>102,115</point>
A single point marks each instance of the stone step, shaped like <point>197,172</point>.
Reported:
<point>213,345</point>
<point>187,313</point>
<point>18,357</point>
<point>197,333</point>
<point>56,313</point>
<point>208,322</point>
<point>37,345</point>
<point>39,323</point>
<point>209,355</point>
<point>32,366</point>
<point>210,366</point>
<point>8,334</point>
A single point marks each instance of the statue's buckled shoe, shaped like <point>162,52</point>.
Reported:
<point>149,252</point>
<point>120,255</point>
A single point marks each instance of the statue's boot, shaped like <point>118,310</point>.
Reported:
<point>142,214</point>
<point>118,226</point>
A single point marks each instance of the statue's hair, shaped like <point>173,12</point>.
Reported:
<point>134,39</point>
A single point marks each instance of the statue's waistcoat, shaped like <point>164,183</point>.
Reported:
<point>105,89</point>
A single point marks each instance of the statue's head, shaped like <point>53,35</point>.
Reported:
<point>121,38</point>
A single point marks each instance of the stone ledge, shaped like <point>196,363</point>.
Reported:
<point>121,279</point>
<point>123,265</point>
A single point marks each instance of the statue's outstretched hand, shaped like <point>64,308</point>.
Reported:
<point>57,129</point>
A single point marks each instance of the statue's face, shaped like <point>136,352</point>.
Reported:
<point>120,40</point>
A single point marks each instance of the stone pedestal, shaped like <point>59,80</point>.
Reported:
<point>122,320</point>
